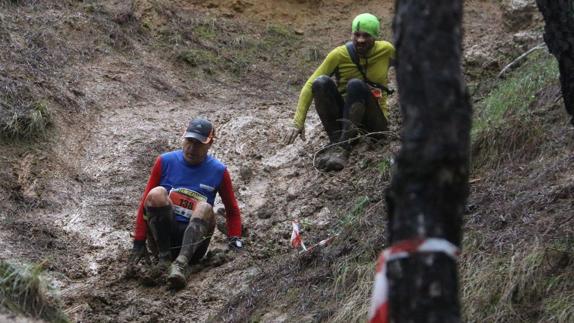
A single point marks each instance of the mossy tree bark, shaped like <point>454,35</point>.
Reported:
<point>429,187</point>
<point>559,36</point>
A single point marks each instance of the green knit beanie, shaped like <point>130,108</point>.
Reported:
<point>368,23</point>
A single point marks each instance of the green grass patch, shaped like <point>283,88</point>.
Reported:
<point>24,120</point>
<point>23,290</point>
<point>353,282</point>
<point>361,230</point>
<point>384,167</point>
<point>23,115</point>
<point>530,282</point>
<point>515,94</point>
<point>356,212</point>
<point>507,125</point>
<point>518,140</point>
<point>198,58</point>
<point>206,30</point>
<point>224,47</point>
<point>278,36</point>
<point>558,308</point>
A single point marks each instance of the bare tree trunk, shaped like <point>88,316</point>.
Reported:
<point>559,36</point>
<point>430,184</point>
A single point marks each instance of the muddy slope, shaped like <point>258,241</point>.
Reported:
<point>70,202</point>
<point>120,96</point>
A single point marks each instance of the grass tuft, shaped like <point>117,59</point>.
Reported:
<point>515,94</point>
<point>22,116</point>
<point>214,46</point>
<point>531,281</point>
<point>197,57</point>
<point>520,138</point>
<point>351,217</point>
<point>24,291</point>
<point>506,125</point>
<point>384,167</point>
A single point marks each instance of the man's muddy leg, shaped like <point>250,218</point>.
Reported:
<point>195,242</point>
<point>358,98</point>
<point>199,231</point>
<point>158,214</point>
<point>374,119</point>
<point>353,113</point>
<point>329,106</point>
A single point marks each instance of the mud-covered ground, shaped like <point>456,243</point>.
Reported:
<point>69,201</point>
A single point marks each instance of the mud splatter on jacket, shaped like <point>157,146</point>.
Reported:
<point>376,65</point>
<point>208,178</point>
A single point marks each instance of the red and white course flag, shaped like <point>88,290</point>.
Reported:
<point>379,311</point>
<point>296,240</point>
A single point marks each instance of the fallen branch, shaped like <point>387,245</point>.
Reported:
<point>539,46</point>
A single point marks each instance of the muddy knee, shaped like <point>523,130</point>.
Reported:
<point>204,211</point>
<point>158,215</point>
<point>323,84</point>
<point>157,197</point>
<point>356,87</point>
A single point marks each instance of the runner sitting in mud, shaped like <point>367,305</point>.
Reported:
<point>356,99</point>
<point>177,205</point>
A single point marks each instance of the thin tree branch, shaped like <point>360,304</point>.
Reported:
<point>528,52</point>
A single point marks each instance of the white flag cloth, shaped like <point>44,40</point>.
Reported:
<point>296,240</point>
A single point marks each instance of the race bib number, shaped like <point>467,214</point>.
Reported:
<point>184,201</point>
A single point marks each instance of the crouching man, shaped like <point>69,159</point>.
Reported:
<point>177,206</point>
<point>356,100</point>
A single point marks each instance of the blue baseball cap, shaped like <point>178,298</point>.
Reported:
<point>200,129</point>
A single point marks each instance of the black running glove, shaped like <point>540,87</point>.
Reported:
<point>235,244</point>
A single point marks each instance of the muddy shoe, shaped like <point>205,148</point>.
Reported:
<point>338,160</point>
<point>178,273</point>
<point>321,161</point>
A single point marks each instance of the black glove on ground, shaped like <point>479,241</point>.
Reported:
<point>138,252</point>
<point>235,243</point>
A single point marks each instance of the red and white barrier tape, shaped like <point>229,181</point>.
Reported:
<point>379,311</point>
<point>321,243</point>
<point>296,240</point>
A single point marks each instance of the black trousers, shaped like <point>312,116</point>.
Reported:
<point>342,118</point>
<point>167,234</point>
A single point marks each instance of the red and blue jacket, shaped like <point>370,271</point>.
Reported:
<point>171,171</point>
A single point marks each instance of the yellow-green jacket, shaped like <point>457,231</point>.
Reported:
<point>376,66</point>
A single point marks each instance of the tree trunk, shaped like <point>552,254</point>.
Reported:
<point>430,184</point>
<point>559,36</point>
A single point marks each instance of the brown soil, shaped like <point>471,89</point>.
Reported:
<point>69,200</point>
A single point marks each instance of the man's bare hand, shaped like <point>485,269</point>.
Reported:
<point>293,133</point>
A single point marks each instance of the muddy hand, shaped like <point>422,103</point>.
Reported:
<point>294,132</point>
<point>137,253</point>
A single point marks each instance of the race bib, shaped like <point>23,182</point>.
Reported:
<point>184,201</point>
